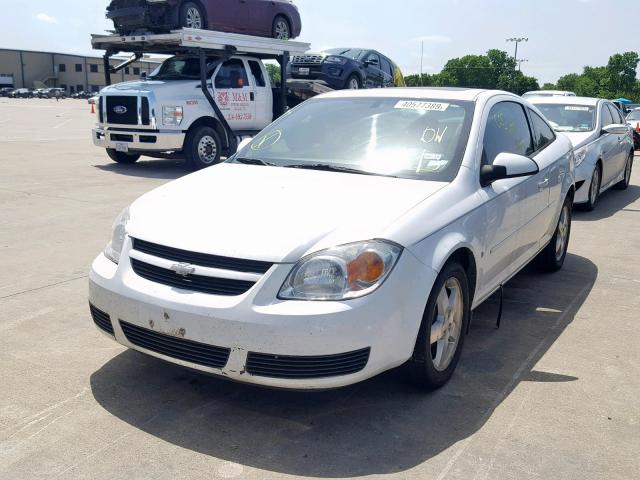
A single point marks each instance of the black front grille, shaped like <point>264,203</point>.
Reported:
<point>101,319</point>
<point>101,108</point>
<point>280,366</point>
<point>201,259</point>
<point>144,111</point>
<point>119,137</point>
<point>127,105</point>
<point>187,350</point>
<point>195,283</point>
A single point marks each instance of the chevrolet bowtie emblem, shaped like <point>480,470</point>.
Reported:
<point>183,269</point>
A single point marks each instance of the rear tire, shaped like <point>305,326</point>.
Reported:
<point>192,15</point>
<point>624,183</point>
<point>121,157</point>
<point>442,332</point>
<point>202,148</point>
<point>281,29</point>
<point>551,259</point>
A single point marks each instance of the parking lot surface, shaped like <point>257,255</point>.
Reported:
<point>553,394</point>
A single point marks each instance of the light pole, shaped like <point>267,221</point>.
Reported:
<point>520,62</point>
<point>517,41</point>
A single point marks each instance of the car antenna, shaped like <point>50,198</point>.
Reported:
<point>499,320</point>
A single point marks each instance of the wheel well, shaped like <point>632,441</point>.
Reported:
<point>465,257</point>
<point>286,18</point>
<point>213,123</point>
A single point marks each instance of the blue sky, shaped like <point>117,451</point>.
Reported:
<point>564,35</point>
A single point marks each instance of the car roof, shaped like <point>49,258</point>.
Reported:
<point>586,101</point>
<point>440,93</point>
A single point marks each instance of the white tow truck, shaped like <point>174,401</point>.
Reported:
<point>201,102</point>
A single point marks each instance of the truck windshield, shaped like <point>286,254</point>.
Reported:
<point>353,53</point>
<point>569,118</point>
<point>181,68</point>
<point>407,138</point>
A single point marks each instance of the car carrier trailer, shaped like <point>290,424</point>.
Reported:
<point>147,133</point>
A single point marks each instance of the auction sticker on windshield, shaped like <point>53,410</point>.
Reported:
<point>576,109</point>
<point>429,106</point>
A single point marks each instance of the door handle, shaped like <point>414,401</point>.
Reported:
<point>544,184</point>
<point>252,96</point>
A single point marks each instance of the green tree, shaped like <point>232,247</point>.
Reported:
<point>274,74</point>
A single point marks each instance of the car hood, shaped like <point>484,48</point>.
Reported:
<point>270,213</point>
<point>578,139</point>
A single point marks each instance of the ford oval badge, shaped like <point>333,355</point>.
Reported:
<point>120,109</point>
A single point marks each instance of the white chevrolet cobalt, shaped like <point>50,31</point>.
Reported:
<point>353,235</point>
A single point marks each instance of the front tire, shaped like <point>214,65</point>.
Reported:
<point>626,181</point>
<point>281,29</point>
<point>192,16</point>
<point>594,190</point>
<point>121,157</point>
<point>442,332</point>
<point>353,83</point>
<point>551,259</point>
<point>203,148</point>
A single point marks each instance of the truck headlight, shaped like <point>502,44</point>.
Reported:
<point>341,273</point>
<point>171,115</point>
<point>580,154</point>
<point>334,59</point>
<point>118,236</point>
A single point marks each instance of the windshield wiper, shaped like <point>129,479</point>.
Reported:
<point>328,168</point>
<point>254,161</point>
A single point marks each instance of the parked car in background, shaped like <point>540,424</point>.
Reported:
<point>633,119</point>
<point>348,68</point>
<point>267,18</point>
<point>548,93</point>
<point>22,93</point>
<point>602,141</point>
<point>82,95</point>
<point>339,288</point>
<point>53,93</point>
<point>6,91</point>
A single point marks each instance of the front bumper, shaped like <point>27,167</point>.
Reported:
<point>385,322</point>
<point>139,141</point>
<point>333,75</point>
<point>583,176</point>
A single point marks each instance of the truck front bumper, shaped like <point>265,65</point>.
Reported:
<point>138,141</point>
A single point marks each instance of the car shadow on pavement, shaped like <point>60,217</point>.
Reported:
<point>611,202</point>
<point>380,426</point>
<point>163,169</point>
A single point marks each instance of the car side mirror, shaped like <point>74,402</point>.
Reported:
<point>143,76</point>
<point>507,165</point>
<point>615,129</point>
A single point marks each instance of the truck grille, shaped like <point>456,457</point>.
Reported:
<point>280,366</point>
<point>308,59</point>
<point>201,259</point>
<point>128,110</point>
<point>174,347</point>
<point>196,283</point>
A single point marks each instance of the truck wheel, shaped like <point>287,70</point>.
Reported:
<point>443,329</point>
<point>353,83</point>
<point>552,257</point>
<point>121,157</point>
<point>202,148</point>
<point>281,29</point>
<point>192,16</point>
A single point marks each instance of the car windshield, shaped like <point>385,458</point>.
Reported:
<point>407,138</point>
<point>181,68</point>
<point>635,115</point>
<point>569,118</point>
<point>353,53</point>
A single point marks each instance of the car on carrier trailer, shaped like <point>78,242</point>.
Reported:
<point>169,114</point>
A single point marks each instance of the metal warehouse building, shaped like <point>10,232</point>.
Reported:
<point>74,73</point>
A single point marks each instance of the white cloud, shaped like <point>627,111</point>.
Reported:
<point>434,39</point>
<point>43,17</point>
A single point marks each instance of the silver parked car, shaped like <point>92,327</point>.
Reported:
<point>602,140</point>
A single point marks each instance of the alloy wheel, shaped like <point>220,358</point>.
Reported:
<point>447,324</point>
<point>207,149</point>
<point>353,84</point>
<point>594,190</point>
<point>562,238</point>
<point>282,30</point>
<point>627,170</point>
<point>194,19</point>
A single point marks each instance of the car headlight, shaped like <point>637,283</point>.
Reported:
<point>171,115</point>
<point>118,236</point>
<point>341,273</point>
<point>334,59</point>
<point>580,154</point>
